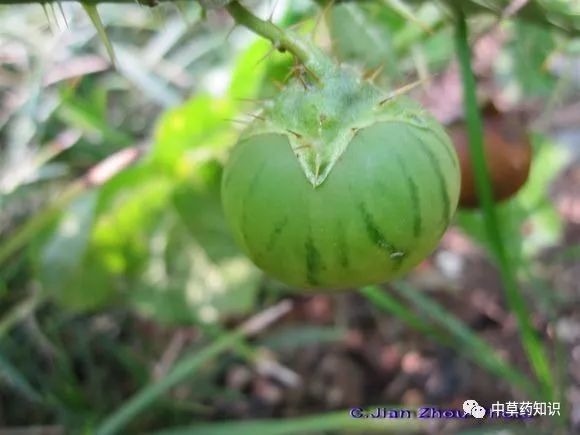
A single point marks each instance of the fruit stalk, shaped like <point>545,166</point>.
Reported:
<point>281,39</point>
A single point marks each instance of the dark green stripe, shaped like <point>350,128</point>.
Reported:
<point>378,239</point>
<point>276,234</point>
<point>438,133</point>
<point>444,142</point>
<point>342,248</point>
<point>313,262</point>
<point>440,180</point>
<point>245,201</point>
<point>417,219</point>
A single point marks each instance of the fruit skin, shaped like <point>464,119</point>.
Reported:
<point>334,187</point>
<point>508,153</point>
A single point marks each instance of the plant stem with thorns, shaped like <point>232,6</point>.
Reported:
<point>282,40</point>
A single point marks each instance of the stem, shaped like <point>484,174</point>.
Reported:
<point>280,38</point>
<point>531,343</point>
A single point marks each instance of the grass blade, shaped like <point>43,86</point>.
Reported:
<point>386,302</point>
<point>536,354</point>
<point>20,312</point>
<point>335,421</point>
<point>460,337</point>
<point>186,368</point>
<point>13,377</point>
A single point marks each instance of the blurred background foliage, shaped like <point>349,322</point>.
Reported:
<point>97,275</point>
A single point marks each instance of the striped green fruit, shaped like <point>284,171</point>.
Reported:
<point>338,186</point>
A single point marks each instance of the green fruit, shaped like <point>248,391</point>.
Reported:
<point>335,186</point>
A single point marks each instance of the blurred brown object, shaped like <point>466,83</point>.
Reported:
<point>508,153</point>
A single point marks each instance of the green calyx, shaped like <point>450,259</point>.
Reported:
<point>322,109</point>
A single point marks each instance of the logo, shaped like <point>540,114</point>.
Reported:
<point>472,407</point>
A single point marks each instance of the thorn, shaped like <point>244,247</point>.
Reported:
<point>297,25</point>
<point>279,86</point>
<point>298,136</point>
<point>261,118</point>
<point>273,10</point>
<point>93,14</point>
<point>230,32</point>
<point>304,85</point>
<point>312,73</point>
<point>404,90</point>
<point>47,17</point>
<point>404,11</point>
<point>54,16</point>
<point>62,13</point>
<point>298,71</point>
<point>307,145</point>
<point>252,100</point>
<point>239,121</point>
<point>372,74</point>
<point>320,17</point>
<point>267,55</point>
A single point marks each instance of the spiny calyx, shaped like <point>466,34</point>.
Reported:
<point>322,109</point>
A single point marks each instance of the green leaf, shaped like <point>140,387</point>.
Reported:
<point>359,37</point>
<point>133,67</point>
<point>530,48</point>
<point>339,422</point>
<point>202,123</point>
<point>12,376</point>
<point>250,68</point>
<point>87,116</point>
<point>196,272</point>
<point>62,256</point>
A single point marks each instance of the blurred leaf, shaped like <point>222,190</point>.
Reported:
<point>196,272</point>
<point>62,256</point>
<point>141,75</point>
<point>86,116</point>
<point>12,376</point>
<point>249,71</point>
<point>358,37</point>
<point>131,208</point>
<point>530,49</point>
<point>202,121</point>
<point>201,213</point>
